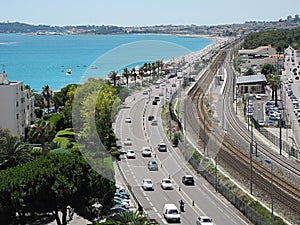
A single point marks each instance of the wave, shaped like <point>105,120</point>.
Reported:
<point>8,43</point>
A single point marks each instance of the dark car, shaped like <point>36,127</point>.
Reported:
<point>188,180</point>
<point>154,102</point>
<point>152,165</point>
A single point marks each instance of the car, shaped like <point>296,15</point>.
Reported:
<point>296,111</point>
<point>154,123</point>
<point>261,123</point>
<point>151,117</point>
<point>166,184</point>
<point>147,184</point>
<point>173,84</point>
<point>130,154</point>
<point>122,201</point>
<point>270,123</point>
<point>188,180</point>
<point>146,152</point>
<point>162,147</point>
<point>145,92</point>
<point>120,195</point>
<point>161,94</point>
<point>258,97</point>
<point>152,165</point>
<point>204,220</point>
<point>128,119</point>
<point>290,80</point>
<point>171,213</point>
<point>127,142</point>
<point>154,102</point>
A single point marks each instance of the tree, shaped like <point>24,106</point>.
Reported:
<point>275,84</point>
<point>267,69</point>
<point>47,95</point>
<point>113,75</point>
<point>126,74</point>
<point>42,132</point>
<point>133,218</point>
<point>250,71</point>
<point>134,75</point>
<point>50,184</point>
<point>14,153</point>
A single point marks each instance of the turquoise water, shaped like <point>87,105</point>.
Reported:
<point>43,59</point>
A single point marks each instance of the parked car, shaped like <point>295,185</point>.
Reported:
<point>146,152</point>
<point>152,165</point>
<point>147,184</point>
<point>166,184</point>
<point>130,154</point>
<point>270,123</point>
<point>188,180</point>
<point>204,220</point>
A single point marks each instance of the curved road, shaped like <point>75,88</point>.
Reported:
<point>200,199</point>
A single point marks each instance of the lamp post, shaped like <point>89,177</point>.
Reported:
<point>251,148</point>
<point>184,125</point>
<point>272,201</point>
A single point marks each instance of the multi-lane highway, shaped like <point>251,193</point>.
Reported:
<point>200,199</point>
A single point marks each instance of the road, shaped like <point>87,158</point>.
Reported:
<point>200,199</point>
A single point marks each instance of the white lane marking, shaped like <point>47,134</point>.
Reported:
<point>155,210</point>
<point>150,203</point>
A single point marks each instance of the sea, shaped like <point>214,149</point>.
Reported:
<point>59,60</point>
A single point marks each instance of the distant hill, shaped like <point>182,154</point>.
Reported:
<point>17,27</point>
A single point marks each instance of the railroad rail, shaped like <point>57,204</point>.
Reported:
<point>232,153</point>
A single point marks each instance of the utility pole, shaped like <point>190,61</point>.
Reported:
<point>251,146</point>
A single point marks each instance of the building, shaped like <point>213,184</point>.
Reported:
<point>255,58</point>
<point>252,84</point>
<point>16,106</point>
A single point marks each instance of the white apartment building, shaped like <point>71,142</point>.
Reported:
<point>16,106</point>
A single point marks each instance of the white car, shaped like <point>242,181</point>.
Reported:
<point>147,184</point>
<point>146,152</point>
<point>130,154</point>
<point>128,119</point>
<point>204,220</point>
<point>127,142</point>
<point>166,184</point>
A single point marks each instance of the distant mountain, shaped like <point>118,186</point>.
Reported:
<point>17,27</point>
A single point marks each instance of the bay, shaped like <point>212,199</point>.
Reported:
<point>44,59</point>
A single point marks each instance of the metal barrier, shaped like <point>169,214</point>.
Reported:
<point>242,206</point>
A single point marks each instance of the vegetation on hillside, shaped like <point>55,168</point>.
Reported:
<point>278,38</point>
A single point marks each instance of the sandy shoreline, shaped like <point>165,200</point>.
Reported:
<point>198,55</point>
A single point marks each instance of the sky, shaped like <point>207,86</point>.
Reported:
<point>145,13</point>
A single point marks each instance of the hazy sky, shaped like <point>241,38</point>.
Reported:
<point>141,12</point>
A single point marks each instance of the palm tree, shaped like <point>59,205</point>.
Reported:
<point>133,218</point>
<point>126,74</point>
<point>14,153</point>
<point>275,83</point>
<point>47,95</point>
<point>113,75</point>
<point>41,133</point>
<point>141,74</point>
<point>134,75</point>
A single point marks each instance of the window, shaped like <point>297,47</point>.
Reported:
<point>17,116</point>
<point>17,104</point>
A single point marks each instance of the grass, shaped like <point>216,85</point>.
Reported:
<point>65,137</point>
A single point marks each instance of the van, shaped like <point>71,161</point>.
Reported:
<point>171,213</point>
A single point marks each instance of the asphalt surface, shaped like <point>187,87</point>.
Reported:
<point>200,199</point>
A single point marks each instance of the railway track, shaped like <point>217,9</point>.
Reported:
<point>232,153</point>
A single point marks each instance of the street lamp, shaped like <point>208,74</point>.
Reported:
<point>272,201</point>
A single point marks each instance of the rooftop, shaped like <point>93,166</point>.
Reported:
<point>258,78</point>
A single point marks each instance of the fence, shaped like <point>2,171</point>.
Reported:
<point>242,206</point>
